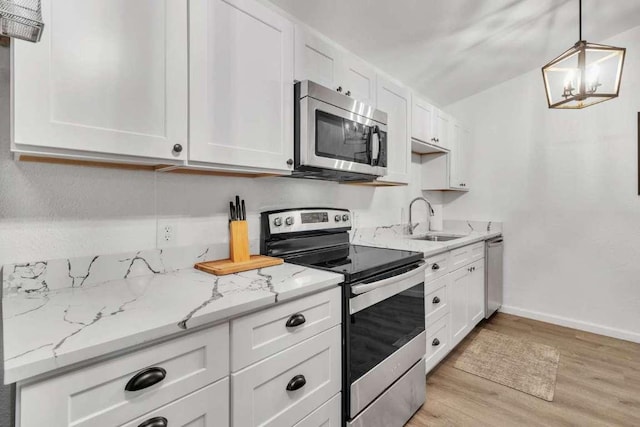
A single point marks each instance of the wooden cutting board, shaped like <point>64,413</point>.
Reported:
<point>223,267</point>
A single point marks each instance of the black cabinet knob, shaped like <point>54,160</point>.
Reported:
<point>296,383</point>
<point>436,300</point>
<point>348,93</point>
<point>146,378</point>
<point>290,162</point>
<point>177,148</point>
<point>435,267</point>
<point>295,320</point>
<point>339,89</point>
<point>155,422</point>
<point>435,342</point>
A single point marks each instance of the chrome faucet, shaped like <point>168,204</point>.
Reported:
<point>431,212</point>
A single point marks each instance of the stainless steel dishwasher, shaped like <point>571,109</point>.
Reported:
<point>493,281</point>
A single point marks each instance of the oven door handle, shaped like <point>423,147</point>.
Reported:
<point>366,287</point>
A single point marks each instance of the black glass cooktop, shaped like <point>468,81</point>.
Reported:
<point>356,262</point>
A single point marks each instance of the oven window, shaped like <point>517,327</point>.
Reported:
<point>378,331</point>
<point>342,139</point>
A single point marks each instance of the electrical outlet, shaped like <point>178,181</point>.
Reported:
<point>166,234</point>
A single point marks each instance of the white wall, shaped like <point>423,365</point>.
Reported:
<point>565,185</point>
<point>56,211</point>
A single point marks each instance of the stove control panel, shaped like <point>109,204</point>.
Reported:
<point>299,220</point>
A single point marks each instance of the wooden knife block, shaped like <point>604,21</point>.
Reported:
<point>239,257</point>
<point>239,241</point>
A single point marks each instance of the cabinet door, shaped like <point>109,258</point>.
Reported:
<point>207,407</point>
<point>241,85</point>
<point>316,59</point>
<point>458,305</point>
<point>358,79</point>
<point>422,120</point>
<point>442,129</point>
<point>464,156</point>
<point>455,141</point>
<point>476,293</point>
<point>109,77</point>
<point>395,101</point>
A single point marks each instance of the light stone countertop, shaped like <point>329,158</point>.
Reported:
<point>396,236</point>
<point>47,327</point>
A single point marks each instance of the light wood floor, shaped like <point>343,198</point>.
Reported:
<point>598,384</point>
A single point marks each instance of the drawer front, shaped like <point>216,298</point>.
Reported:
<point>436,300</point>
<point>477,251</point>
<point>96,396</point>
<point>265,333</point>
<point>437,266</point>
<point>460,257</point>
<point>438,342</point>
<point>208,407</point>
<point>328,415</point>
<point>267,393</point>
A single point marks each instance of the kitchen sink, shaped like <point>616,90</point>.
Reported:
<point>439,237</point>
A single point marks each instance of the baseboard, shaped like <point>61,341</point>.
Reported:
<point>572,323</point>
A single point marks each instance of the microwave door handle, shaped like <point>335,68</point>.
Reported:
<point>375,145</point>
<point>366,287</point>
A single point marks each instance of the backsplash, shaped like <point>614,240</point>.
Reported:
<point>47,275</point>
<point>43,276</point>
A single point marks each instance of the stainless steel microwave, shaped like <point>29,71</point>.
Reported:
<point>337,137</point>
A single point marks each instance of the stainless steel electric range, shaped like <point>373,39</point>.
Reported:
<point>383,317</point>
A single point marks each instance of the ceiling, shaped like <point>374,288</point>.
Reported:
<point>451,49</point>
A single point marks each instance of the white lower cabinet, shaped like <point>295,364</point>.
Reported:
<point>476,292</point>
<point>267,332</point>
<point>284,388</point>
<point>438,345</point>
<point>99,395</point>
<point>436,300</point>
<point>459,300</point>
<point>328,415</point>
<point>287,375</point>
<point>454,303</point>
<point>208,407</point>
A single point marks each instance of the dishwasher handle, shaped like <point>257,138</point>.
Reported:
<point>495,242</point>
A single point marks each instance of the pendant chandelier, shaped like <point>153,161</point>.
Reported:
<point>584,75</point>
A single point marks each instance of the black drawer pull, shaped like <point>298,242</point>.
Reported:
<point>155,422</point>
<point>435,267</point>
<point>435,342</point>
<point>296,320</point>
<point>146,378</point>
<point>436,300</point>
<point>296,383</point>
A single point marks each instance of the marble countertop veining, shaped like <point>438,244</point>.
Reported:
<point>396,237</point>
<point>46,329</point>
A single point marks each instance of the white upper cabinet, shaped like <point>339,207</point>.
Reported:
<point>108,81</point>
<point>322,62</point>
<point>316,59</point>
<point>422,120</point>
<point>442,129</point>
<point>458,157</point>
<point>241,86</point>
<point>359,79</point>
<point>395,100</point>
